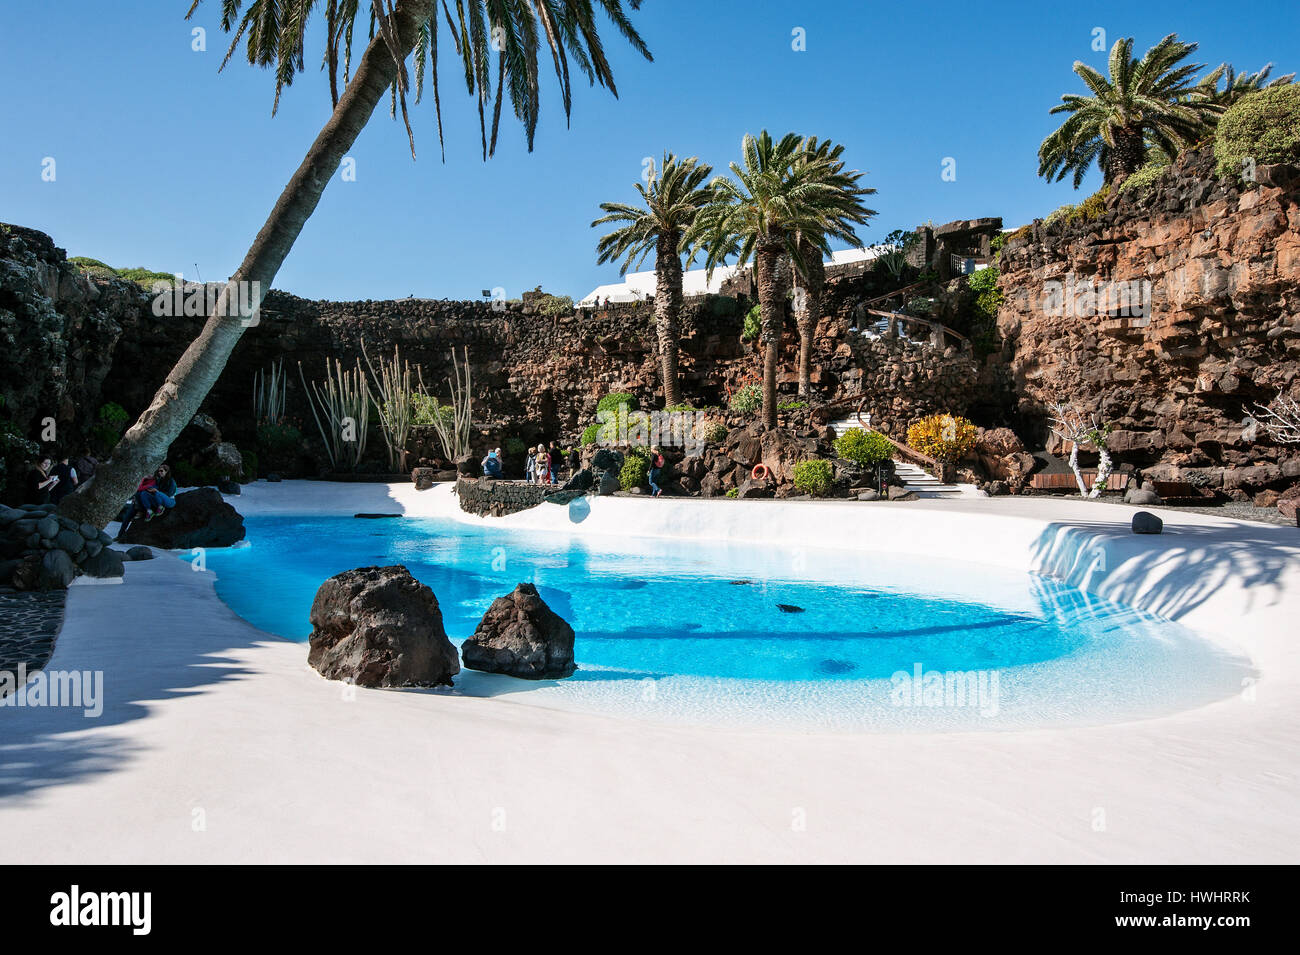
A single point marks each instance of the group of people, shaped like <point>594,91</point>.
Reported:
<point>541,465</point>
<point>50,479</point>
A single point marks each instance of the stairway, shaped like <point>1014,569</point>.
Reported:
<point>913,477</point>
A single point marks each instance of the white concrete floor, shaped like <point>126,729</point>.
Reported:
<point>218,744</point>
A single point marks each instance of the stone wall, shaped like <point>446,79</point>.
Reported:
<point>488,498</point>
<point>1222,333</point>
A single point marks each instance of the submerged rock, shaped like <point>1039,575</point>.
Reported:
<point>377,627</point>
<point>522,637</point>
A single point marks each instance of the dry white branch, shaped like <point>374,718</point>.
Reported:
<point>1071,425</point>
<point>1280,418</point>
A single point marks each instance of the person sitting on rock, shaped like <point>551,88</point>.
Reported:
<point>492,464</point>
<point>40,482</point>
<point>156,493</point>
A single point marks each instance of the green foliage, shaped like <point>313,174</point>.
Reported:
<point>636,468</point>
<point>747,399</point>
<point>590,434</point>
<point>553,306</point>
<point>1263,127</point>
<point>515,447</point>
<point>281,444</point>
<point>614,399</point>
<point>813,477</point>
<point>682,408</point>
<point>1091,208</point>
<point>791,405</point>
<point>714,432</point>
<point>1024,232</point>
<point>188,475</point>
<point>426,410</point>
<point>147,278</point>
<point>1142,181</point>
<point>251,467</point>
<point>107,430</point>
<point>733,492</point>
<point>988,297</point>
<point>15,451</point>
<point>753,324</point>
<point>866,448</point>
<point>93,266</point>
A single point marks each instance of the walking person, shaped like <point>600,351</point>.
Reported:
<point>656,465</point>
<point>530,466</point>
<point>542,465</point>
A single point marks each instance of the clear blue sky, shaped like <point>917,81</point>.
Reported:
<point>165,163</point>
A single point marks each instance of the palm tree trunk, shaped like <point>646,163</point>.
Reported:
<point>770,307</point>
<point>1127,156</point>
<point>668,302</point>
<point>145,444</point>
<point>808,316</point>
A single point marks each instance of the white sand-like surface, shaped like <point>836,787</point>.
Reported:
<point>217,743</point>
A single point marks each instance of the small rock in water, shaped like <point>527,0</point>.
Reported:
<point>1144,522</point>
<point>837,666</point>
<point>376,517</point>
<point>789,608</point>
<point>737,583</point>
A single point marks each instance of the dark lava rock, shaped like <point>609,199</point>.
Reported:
<point>1144,522</point>
<point>57,571</point>
<point>422,478</point>
<point>789,608</point>
<point>521,636</point>
<point>138,553</point>
<point>107,563</point>
<point>201,518</point>
<point>227,486</point>
<point>379,626</point>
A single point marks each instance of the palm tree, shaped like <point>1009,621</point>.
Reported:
<point>1235,85</point>
<point>812,244</point>
<point>780,194</point>
<point>1145,102</point>
<point>515,29</point>
<point>670,200</point>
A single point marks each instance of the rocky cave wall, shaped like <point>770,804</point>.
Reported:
<point>1222,332</point>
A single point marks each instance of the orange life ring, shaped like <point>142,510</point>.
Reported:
<point>759,476</point>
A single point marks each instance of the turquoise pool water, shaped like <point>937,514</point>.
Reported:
<point>741,634</point>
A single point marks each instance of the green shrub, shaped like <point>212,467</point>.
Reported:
<point>733,492</point>
<point>866,448</point>
<point>679,409</point>
<point>1142,181</point>
<point>1263,126</point>
<point>791,405</point>
<point>988,297</point>
<point>107,430</point>
<point>281,443</point>
<point>591,434</point>
<point>147,278</point>
<point>711,432</point>
<point>250,467</point>
<point>427,410</point>
<point>747,399</point>
<point>753,325</point>
<point>813,477</point>
<point>187,475</point>
<point>636,468</point>
<point>614,399</point>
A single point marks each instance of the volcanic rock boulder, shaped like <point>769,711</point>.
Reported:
<point>379,626</point>
<point>522,637</point>
<point>201,518</point>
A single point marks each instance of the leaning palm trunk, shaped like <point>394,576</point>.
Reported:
<point>810,314</point>
<point>145,443</point>
<point>770,306</point>
<point>668,303</point>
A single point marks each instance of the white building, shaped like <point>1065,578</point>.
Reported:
<point>638,286</point>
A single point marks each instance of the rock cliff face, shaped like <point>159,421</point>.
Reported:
<point>1170,316</point>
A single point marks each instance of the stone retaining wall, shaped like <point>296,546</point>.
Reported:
<point>488,498</point>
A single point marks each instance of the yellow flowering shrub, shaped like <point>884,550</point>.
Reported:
<point>944,437</point>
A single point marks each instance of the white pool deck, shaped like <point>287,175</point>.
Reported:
<point>217,743</point>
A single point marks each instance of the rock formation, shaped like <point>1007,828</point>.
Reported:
<point>380,627</point>
<point>201,518</point>
<point>522,637</point>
